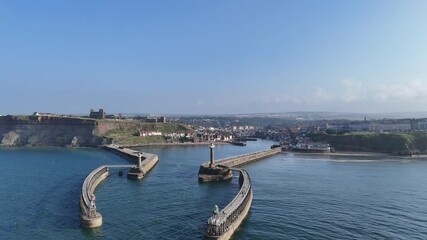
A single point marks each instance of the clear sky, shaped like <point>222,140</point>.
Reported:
<point>221,56</point>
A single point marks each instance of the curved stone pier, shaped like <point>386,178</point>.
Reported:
<point>90,218</point>
<point>222,224</point>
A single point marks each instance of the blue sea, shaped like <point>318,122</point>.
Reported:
<point>296,196</point>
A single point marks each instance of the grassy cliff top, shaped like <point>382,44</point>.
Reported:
<point>142,140</point>
<point>137,126</point>
<point>45,120</point>
<point>121,130</point>
<point>396,142</point>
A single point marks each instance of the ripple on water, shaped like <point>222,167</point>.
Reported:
<point>294,197</point>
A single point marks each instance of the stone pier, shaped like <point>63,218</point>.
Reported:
<point>222,224</point>
<point>220,170</point>
<point>145,161</point>
<point>90,217</point>
<point>213,172</point>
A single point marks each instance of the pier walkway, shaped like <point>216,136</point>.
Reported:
<point>222,224</point>
<point>240,160</point>
<point>90,218</point>
<point>145,161</point>
<point>221,169</point>
<point>120,166</point>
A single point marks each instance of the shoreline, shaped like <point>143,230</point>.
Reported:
<point>125,145</point>
<point>347,154</point>
<point>330,154</point>
<point>172,144</point>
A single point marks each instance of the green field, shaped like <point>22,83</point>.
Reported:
<point>403,143</point>
<point>142,140</point>
<point>127,132</point>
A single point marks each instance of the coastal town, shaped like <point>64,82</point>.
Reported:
<point>320,136</point>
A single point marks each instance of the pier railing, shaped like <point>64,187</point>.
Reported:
<point>220,222</point>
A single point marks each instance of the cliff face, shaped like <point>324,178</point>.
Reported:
<point>48,131</point>
<point>73,132</point>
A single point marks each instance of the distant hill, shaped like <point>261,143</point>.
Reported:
<point>402,143</point>
<point>335,115</point>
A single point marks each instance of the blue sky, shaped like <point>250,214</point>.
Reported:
<point>196,57</point>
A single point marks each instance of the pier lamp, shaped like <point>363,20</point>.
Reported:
<point>212,146</point>
<point>139,160</point>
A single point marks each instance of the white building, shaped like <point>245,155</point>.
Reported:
<point>143,134</point>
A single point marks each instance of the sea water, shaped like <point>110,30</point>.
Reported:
<point>296,196</point>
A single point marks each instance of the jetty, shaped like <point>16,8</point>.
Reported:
<point>145,161</point>
<point>221,169</point>
<point>222,224</point>
<point>90,217</point>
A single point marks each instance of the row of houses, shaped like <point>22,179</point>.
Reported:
<point>193,137</point>
<point>235,128</point>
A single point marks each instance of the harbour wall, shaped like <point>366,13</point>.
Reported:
<point>149,160</point>
<point>221,168</point>
<point>90,218</point>
<point>221,225</point>
<point>247,158</point>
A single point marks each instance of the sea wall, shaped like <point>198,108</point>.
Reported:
<point>247,158</point>
<point>149,160</point>
<point>221,170</point>
<point>222,224</point>
<point>90,218</point>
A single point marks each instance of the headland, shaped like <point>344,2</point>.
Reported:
<point>64,131</point>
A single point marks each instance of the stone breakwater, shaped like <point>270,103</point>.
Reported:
<point>222,224</point>
<point>90,217</point>
<point>221,169</point>
<point>145,161</point>
<point>240,160</point>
